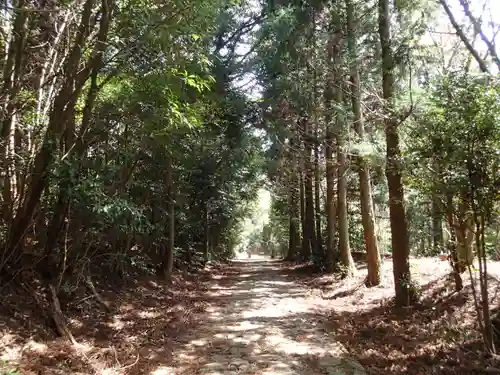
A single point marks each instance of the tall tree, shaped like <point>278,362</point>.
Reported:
<point>405,294</point>
<point>346,260</point>
<point>334,45</point>
<point>367,215</point>
<point>294,236</point>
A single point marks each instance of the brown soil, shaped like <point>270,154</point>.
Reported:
<point>249,318</point>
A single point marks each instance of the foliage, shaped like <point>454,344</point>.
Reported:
<point>126,142</point>
<point>124,145</point>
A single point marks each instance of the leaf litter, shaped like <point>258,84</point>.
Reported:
<point>149,320</point>
<point>438,336</point>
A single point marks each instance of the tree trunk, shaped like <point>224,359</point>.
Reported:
<point>405,294</point>
<point>305,249</point>
<point>437,226</point>
<point>168,260</point>
<point>294,220</point>
<point>331,166</point>
<point>331,210</point>
<point>317,203</point>
<point>348,267</point>
<point>62,113</point>
<point>452,247</point>
<point>58,316</point>
<point>206,234</point>
<point>14,66</point>
<point>311,138</point>
<point>367,215</point>
<point>309,234</point>
<point>464,234</point>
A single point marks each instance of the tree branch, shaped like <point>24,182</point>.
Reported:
<point>463,37</point>
<point>478,30</point>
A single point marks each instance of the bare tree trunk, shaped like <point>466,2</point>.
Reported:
<point>488,334</point>
<point>405,294</point>
<point>58,316</point>
<point>367,215</point>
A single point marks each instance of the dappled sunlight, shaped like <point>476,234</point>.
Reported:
<point>245,325</point>
<point>260,322</point>
<point>117,323</point>
<point>162,371</point>
<point>257,320</point>
<point>12,350</point>
<point>278,283</point>
<point>304,345</point>
<point>149,314</point>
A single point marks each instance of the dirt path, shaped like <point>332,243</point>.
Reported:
<point>261,322</point>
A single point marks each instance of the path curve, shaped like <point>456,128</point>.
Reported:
<point>261,322</point>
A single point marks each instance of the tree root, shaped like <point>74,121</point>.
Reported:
<point>57,315</point>
<point>90,285</point>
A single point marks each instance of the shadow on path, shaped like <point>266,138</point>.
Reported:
<point>260,322</point>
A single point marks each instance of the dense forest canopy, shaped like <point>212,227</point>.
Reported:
<point>141,133</point>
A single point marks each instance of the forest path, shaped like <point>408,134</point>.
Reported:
<point>261,322</point>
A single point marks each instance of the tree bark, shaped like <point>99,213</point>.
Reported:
<point>452,247</point>
<point>305,249</point>
<point>437,225</point>
<point>348,267</point>
<point>206,233</point>
<point>61,114</point>
<point>309,234</point>
<point>13,70</point>
<point>347,263</point>
<point>405,294</point>
<point>168,259</point>
<point>464,234</point>
<point>317,201</point>
<point>367,215</point>
<point>331,166</point>
<point>294,220</point>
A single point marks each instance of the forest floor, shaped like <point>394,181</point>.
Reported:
<point>256,317</point>
<point>438,336</point>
